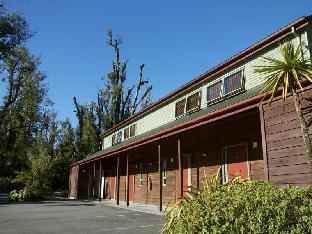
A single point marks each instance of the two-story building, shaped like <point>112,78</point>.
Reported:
<point>214,121</point>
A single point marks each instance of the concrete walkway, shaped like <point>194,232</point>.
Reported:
<point>151,209</point>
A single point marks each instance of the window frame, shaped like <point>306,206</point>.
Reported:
<point>141,174</point>
<point>217,98</point>
<point>242,87</point>
<point>126,137</point>
<point>199,92</point>
<point>222,93</point>
<point>119,137</point>
<point>164,173</point>
<point>114,139</point>
<point>184,108</point>
<point>135,128</point>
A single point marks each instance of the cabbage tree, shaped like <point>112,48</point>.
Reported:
<point>289,74</point>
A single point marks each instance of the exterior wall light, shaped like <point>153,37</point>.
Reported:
<point>171,159</point>
<point>84,171</point>
<point>254,144</point>
<point>204,154</point>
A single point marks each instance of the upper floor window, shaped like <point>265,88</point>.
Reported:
<point>180,108</point>
<point>114,139</point>
<point>132,130</point>
<point>126,133</point>
<point>233,82</point>
<point>228,85</point>
<point>214,91</point>
<point>193,102</point>
<point>118,137</point>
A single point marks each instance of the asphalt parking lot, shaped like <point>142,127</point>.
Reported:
<point>70,216</point>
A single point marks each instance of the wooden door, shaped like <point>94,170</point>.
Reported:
<point>131,187</point>
<point>237,161</point>
<point>187,170</point>
<point>112,184</point>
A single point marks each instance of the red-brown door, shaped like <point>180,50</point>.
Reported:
<point>237,161</point>
<point>112,185</point>
<point>186,173</point>
<point>131,187</point>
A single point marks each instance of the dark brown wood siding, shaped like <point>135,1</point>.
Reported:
<point>287,159</point>
<point>73,181</point>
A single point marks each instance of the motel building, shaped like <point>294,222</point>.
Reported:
<point>214,121</point>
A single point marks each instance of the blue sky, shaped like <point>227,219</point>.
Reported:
<point>177,40</point>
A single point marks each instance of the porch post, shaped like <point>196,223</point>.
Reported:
<point>93,186</point>
<point>127,181</point>
<point>117,181</point>
<point>160,179</point>
<point>69,182</point>
<point>100,181</point>
<point>264,144</point>
<point>180,175</point>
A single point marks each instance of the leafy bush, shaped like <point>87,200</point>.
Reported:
<point>241,206</point>
<point>36,181</point>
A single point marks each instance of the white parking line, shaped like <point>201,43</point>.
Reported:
<point>136,227</point>
<point>147,226</point>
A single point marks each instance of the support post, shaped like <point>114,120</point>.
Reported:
<point>100,182</point>
<point>117,182</point>
<point>127,181</point>
<point>264,144</point>
<point>93,187</point>
<point>69,182</point>
<point>160,178</point>
<point>180,172</point>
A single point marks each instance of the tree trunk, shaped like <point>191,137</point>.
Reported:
<point>304,127</point>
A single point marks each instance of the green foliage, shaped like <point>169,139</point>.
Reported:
<point>14,30</point>
<point>37,179</point>
<point>241,207</point>
<point>289,72</point>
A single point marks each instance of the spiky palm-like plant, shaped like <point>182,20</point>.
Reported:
<point>289,73</point>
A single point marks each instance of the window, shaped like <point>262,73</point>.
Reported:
<point>114,139</point>
<point>180,108</point>
<point>214,91</point>
<point>164,173</point>
<point>233,83</point>
<point>126,133</point>
<point>119,136</point>
<point>193,102</point>
<point>141,174</point>
<point>132,130</point>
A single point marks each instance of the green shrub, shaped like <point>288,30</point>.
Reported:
<point>241,206</point>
